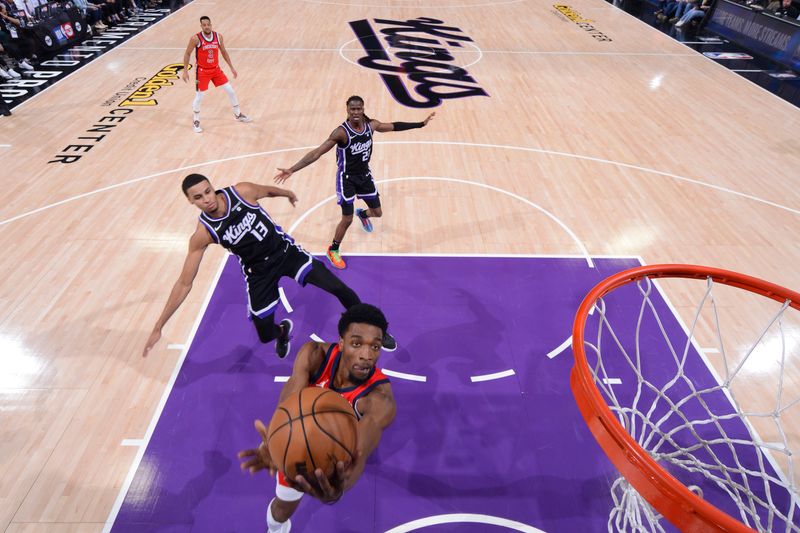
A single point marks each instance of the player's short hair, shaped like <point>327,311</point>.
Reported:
<point>190,181</point>
<point>363,314</point>
<point>205,17</point>
<point>355,98</point>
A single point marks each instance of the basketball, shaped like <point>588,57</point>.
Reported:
<point>314,428</point>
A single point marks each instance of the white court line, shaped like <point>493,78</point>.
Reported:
<point>132,442</point>
<point>281,379</point>
<point>464,518</point>
<point>570,53</point>
<point>480,51</point>
<point>401,375</point>
<point>284,300</point>
<point>662,35</point>
<point>123,47</point>
<point>709,350</point>
<point>175,346</point>
<point>511,256</point>
<point>143,178</point>
<point>612,381</point>
<point>489,377</point>
<point>123,491</point>
<point>551,216</point>
<point>5,146</point>
<point>315,338</point>
<point>610,162</point>
<point>455,143</point>
<point>564,345</point>
<point>560,348</point>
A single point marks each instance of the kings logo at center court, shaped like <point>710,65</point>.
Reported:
<point>421,71</point>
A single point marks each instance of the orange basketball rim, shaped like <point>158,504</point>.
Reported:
<point>667,495</point>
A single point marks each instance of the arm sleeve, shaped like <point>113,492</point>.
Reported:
<point>402,126</point>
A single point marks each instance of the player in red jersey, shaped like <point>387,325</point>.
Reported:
<point>208,46</point>
<point>347,367</point>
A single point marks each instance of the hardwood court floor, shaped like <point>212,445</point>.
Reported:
<point>636,144</point>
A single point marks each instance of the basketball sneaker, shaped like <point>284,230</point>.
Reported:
<point>335,257</point>
<point>366,223</point>
<point>283,344</point>
<point>197,128</point>
<point>389,343</point>
<point>241,117</point>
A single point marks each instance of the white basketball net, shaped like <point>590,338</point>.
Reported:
<point>683,426</point>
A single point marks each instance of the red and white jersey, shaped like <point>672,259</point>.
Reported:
<point>207,51</point>
<point>323,377</point>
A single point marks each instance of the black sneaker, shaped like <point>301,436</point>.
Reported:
<point>283,343</point>
<point>389,344</point>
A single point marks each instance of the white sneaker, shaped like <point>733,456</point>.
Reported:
<point>241,117</point>
<point>25,65</point>
<point>5,75</point>
<point>13,73</point>
<point>197,128</point>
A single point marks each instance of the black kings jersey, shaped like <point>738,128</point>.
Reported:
<point>353,157</point>
<point>247,231</point>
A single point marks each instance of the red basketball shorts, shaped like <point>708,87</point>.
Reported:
<point>204,76</point>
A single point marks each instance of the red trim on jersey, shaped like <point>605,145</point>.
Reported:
<point>323,377</point>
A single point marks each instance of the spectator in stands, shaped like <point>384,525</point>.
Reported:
<point>29,6</point>
<point>112,12</point>
<point>92,13</point>
<point>15,43</point>
<point>673,10</point>
<point>695,13</point>
<point>7,72</point>
<point>787,9</point>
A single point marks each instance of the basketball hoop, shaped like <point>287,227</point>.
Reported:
<point>674,422</point>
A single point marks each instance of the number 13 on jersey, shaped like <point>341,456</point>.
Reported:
<point>260,231</point>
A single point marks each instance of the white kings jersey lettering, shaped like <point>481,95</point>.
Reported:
<point>235,233</point>
<point>360,148</point>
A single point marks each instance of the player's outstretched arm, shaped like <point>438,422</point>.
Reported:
<point>253,192</point>
<point>197,247</point>
<point>257,459</point>
<point>306,363</point>
<point>226,57</point>
<point>384,127</point>
<point>193,42</point>
<point>338,136</point>
<point>378,410</point>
